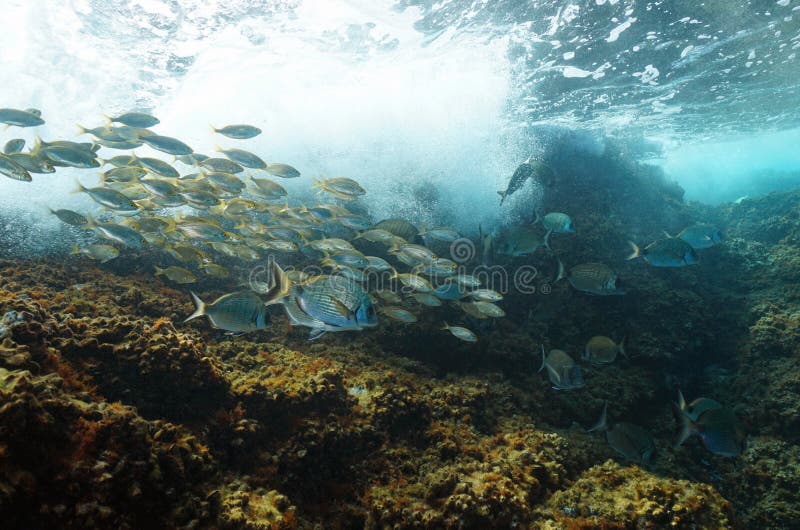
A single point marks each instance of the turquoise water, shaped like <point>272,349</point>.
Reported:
<point>398,93</point>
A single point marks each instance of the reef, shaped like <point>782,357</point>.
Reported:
<point>114,413</point>
<point>610,496</point>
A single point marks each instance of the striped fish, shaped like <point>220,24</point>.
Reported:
<point>324,303</point>
<point>238,312</point>
<point>592,278</point>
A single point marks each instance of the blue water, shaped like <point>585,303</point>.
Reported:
<point>403,95</point>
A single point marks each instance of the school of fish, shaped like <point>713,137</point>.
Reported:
<point>329,265</point>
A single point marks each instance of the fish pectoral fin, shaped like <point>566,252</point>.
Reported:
<point>343,309</point>
<point>316,333</point>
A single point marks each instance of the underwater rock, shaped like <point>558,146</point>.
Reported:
<point>94,464</point>
<point>611,496</point>
<point>767,485</point>
<point>409,428</point>
<point>494,485</point>
<point>256,510</point>
<point>163,372</point>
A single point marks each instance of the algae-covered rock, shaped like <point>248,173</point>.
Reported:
<point>611,496</point>
<point>256,510</point>
<point>116,414</point>
<point>486,482</point>
<point>93,464</point>
<point>767,485</point>
<point>162,371</point>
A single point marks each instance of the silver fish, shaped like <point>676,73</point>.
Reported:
<point>13,170</point>
<point>668,252</point>
<point>101,253</point>
<point>240,132</point>
<point>631,441</point>
<point>221,164</point>
<point>154,165</point>
<point>399,314</point>
<point>20,118</point>
<point>562,370</point>
<point>700,236</point>
<point>717,427</point>
<point>528,169</point>
<point>69,217</point>
<point>592,278</point>
<point>238,312</point>
<point>135,119</point>
<point>602,350</point>
<point>282,170</point>
<point>522,241</point>
<point>109,198</point>
<point>14,146</point>
<point>70,156</point>
<point>244,158</point>
<point>114,232</point>
<point>461,333</point>
<point>324,303</point>
<point>167,144</point>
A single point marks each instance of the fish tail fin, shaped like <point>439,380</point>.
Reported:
<point>622,347</point>
<point>81,130</point>
<point>213,129</point>
<point>547,240</point>
<point>75,250</point>
<point>160,271</point>
<point>37,146</point>
<point>561,274</point>
<point>635,251</point>
<point>90,222</point>
<point>200,307</point>
<point>686,429</point>
<point>217,148</point>
<point>281,284</point>
<point>543,359</point>
<point>681,401</point>
<point>602,422</point>
<point>80,189</point>
<point>171,227</point>
<point>666,234</point>
<point>537,218</point>
<point>502,195</point>
<point>109,120</point>
<point>446,325</point>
